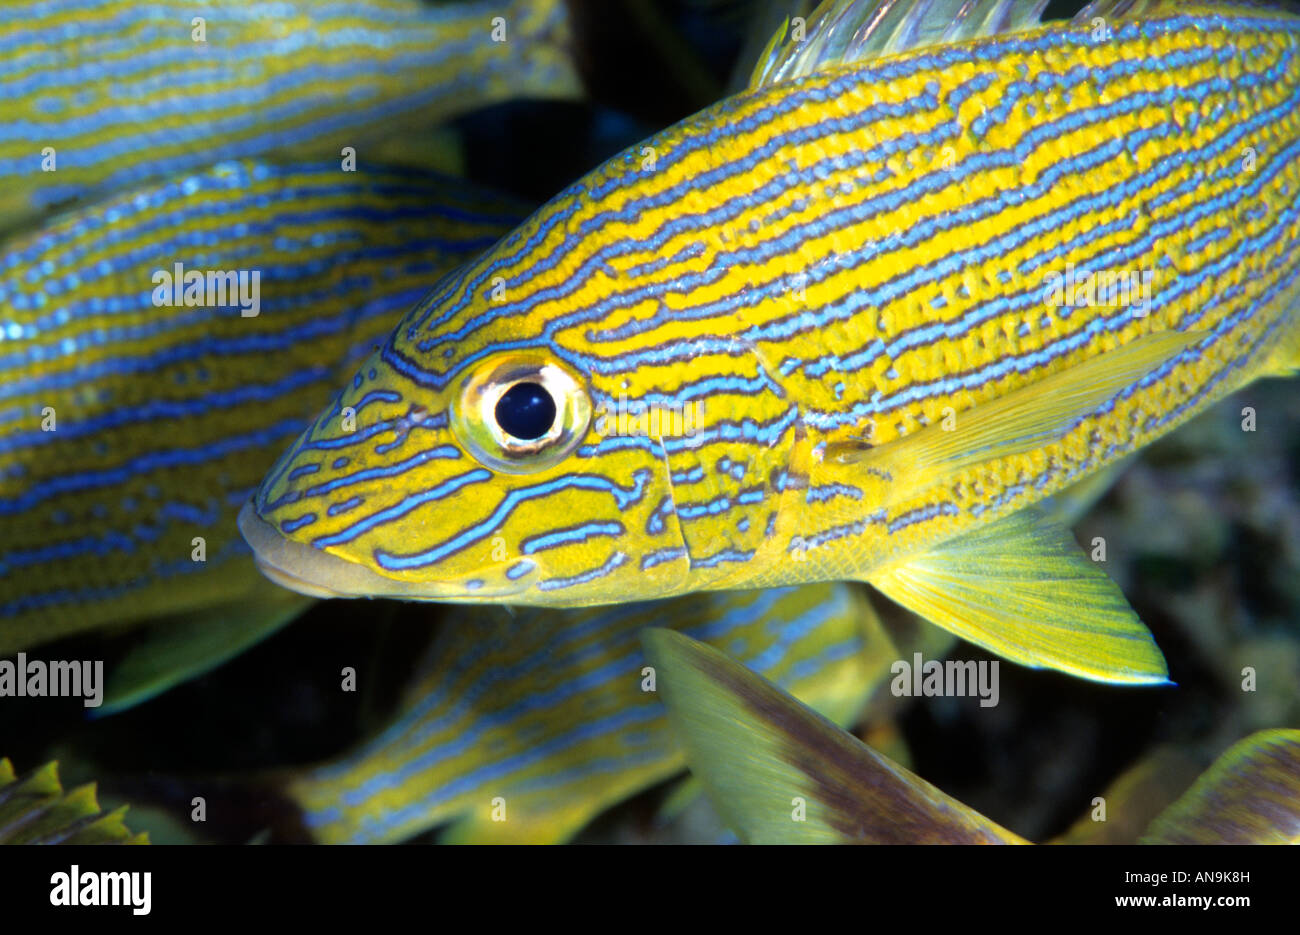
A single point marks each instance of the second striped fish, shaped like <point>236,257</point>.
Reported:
<point>140,402</point>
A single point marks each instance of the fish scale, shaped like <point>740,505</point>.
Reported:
<point>830,267</point>
<point>167,416</point>
<point>122,92</point>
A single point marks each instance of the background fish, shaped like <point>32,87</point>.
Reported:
<point>129,429</point>
<point>837,293</point>
<point>122,92</point>
<point>542,719</point>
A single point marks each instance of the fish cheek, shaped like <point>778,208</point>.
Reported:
<point>446,539</point>
<point>624,514</point>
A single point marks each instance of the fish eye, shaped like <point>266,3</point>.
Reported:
<point>526,411</point>
<point>520,412</point>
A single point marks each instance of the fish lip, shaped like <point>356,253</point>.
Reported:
<point>301,567</point>
<point>274,555</point>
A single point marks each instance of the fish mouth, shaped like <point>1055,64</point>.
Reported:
<point>301,567</point>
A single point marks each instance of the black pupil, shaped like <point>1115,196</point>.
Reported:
<point>526,411</point>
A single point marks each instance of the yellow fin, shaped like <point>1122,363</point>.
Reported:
<point>35,809</point>
<point>1251,795</point>
<point>1022,588</point>
<point>780,773</point>
<point>1016,423</point>
<point>1284,360</point>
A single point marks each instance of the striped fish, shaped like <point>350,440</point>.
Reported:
<point>840,326</point>
<point>523,728</point>
<point>131,431</point>
<point>110,93</point>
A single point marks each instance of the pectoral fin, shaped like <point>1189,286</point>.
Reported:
<point>1284,359</point>
<point>778,772</point>
<point>173,651</point>
<point>1017,423</point>
<point>1022,588</point>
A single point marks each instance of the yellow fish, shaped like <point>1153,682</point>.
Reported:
<point>107,94</point>
<point>939,262</point>
<point>134,421</point>
<point>522,728</point>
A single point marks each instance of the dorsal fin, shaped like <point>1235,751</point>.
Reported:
<point>1112,10</point>
<point>843,31</point>
<point>1120,9</point>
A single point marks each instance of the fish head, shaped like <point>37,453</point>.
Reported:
<point>473,457</point>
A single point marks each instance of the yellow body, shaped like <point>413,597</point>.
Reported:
<point>1143,168</point>
<point>108,94</point>
<point>841,326</point>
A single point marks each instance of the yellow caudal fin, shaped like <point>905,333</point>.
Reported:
<point>1022,588</point>
<point>780,773</point>
<point>1016,423</point>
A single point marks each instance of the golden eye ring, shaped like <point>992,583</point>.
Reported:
<point>530,393</point>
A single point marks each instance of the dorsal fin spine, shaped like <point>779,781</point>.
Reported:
<point>840,32</point>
